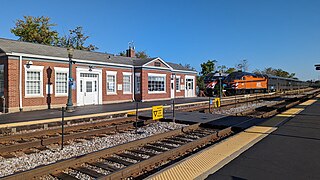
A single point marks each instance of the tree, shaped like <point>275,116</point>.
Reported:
<point>243,65</point>
<point>208,67</point>
<point>188,66</point>
<point>76,39</point>
<point>230,70</point>
<point>141,54</point>
<point>36,30</point>
<point>222,68</point>
<point>275,72</point>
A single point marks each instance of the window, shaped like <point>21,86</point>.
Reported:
<point>111,82</point>
<point>33,78</point>
<point>158,64</point>
<point>138,83</point>
<point>177,83</point>
<point>61,81</point>
<point>126,83</point>
<point>156,82</point>
<point>1,79</point>
<point>88,86</point>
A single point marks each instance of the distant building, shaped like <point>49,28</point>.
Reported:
<point>33,76</point>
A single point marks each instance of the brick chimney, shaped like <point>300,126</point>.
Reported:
<point>130,52</point>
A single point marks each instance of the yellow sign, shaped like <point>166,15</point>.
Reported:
<point>157,112</point>
<point>217,102</point>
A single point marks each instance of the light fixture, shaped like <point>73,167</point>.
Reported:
<point>90,68</point>
<point>70,52</point>
<point>29,63</point>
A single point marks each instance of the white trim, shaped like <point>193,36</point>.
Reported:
<point>130,83</point>
<point>65,59</point>
<point>36,69</point>
<point>60,70</point>
<point>80,70</point>
<point>155,74</point>
<point>158,58</point>
<point>111,73</point>
<point>194,88</point>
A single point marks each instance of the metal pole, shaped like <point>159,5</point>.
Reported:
<point>69,103</point>
<point>3,104</point>
<point>137,106</point>
<point>209,104</point>
<point>235,98</point>
<point>62,127</point>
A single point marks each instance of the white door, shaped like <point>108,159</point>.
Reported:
<point>172,88</point>
<point>89,89</point>
<point>90,92</point>
<point>189,88</point>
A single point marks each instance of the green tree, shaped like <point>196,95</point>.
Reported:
<point>208,67</point>
<point>36,30</point>
<point>276,72</point>
<point>222,68</point>
<point>76,39</point>
<point>230,70</point>
<point>141,54</point>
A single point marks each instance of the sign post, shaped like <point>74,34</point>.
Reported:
<point>157,112</point>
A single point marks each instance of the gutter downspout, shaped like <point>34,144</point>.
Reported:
<point>134,84</point>
<point>20,83</point>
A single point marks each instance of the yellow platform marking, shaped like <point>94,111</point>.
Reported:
<point>208,161</point>
<point>309,102</point>
<point>205,160</point>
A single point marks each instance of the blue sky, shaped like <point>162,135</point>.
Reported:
<point>274,33</point>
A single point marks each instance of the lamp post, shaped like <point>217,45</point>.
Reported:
<point>174,94</point>
<point>70,107</point>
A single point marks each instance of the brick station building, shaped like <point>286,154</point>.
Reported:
<point>35,76</point>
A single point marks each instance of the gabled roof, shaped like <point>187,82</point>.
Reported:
<point>13,46</point>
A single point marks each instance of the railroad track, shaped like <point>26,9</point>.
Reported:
<point>130,159</point>
<point>37,141</point>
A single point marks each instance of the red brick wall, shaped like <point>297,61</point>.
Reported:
<point>119,96</point>
<point>12,84</point>
<point>144,82</point>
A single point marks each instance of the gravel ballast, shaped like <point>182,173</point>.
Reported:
<point>26,162</point>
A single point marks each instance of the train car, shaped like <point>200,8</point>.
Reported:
<point>212,83</point>
<point>244,82</point>
<point>279,84</point>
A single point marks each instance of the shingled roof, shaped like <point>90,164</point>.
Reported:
<point>10,46</point>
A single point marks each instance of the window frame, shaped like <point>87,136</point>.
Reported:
<point>178,88</point>
<point>33,68</point>
<point>130,82</point>
<point>136,85</point>
<point>60,70</point>
<point>111,73</point>
<point>165,83</point>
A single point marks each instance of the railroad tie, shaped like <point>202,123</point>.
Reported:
<point>64,176</point>
<point>88,172</point>
<point>117,160</point>
<point>104,166</point>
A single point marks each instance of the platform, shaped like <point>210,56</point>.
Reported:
<point>283,147</point>
<point>53,115</point>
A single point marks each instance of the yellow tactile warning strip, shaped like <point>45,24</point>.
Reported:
<point>195,166</point>
<point>208,161</point>
<point>309,102</point>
